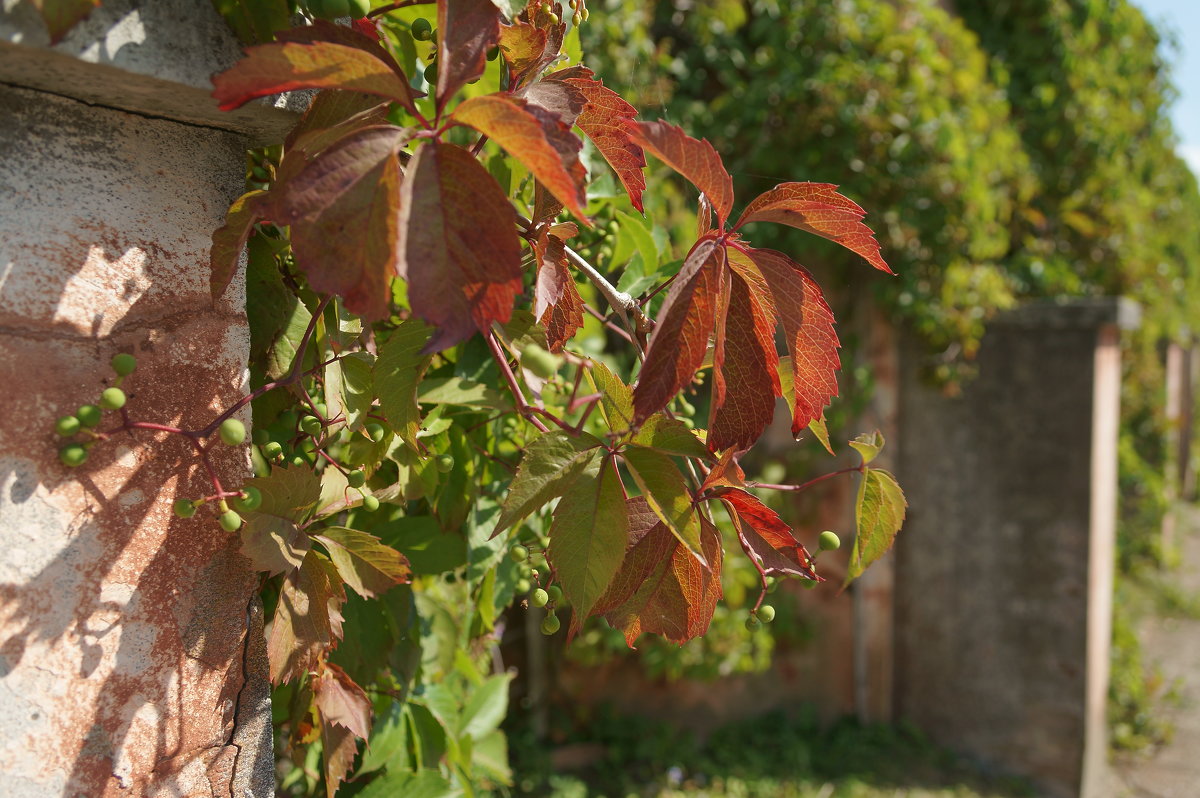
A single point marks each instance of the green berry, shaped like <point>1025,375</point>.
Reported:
<point>329,9</point>
<point>550,625</point>
<point>808,584</point>
<point>444,463</point>
<point>123,364</point>
<point>311,425</point>
<point>73,454</point>
<point>752,623</point>
<point>421,30</point>
<point>555,593</point>
<point>230,521</point>
<point>287,419</point>
<point>542,363</point>
<point>67,426</point>
<point>829,541</point>
<point>370,503</point>
<point>261,437</point>
<point>359,8</point>
<point>184,508</point>
<point>431,73</point>
<point>523,585</point>
<point>553,18</point>
<point>577,19</point>
<point>232,432</point>
<point>356,478</point>
<point>586,14</point>
<point>251,500</point>
<point>272,450</point>
<point>518,553</point>
<point>88,415</point>
<point>112,398</point>
<point>375,432</point>
<point>539,598</point>
<point>298,461</point>
<point>766,613</point>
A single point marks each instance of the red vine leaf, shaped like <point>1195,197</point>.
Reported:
<point>682,330</point>
<point>331,115</point>
<point>661,588</point>
<point>541,141</point>
<point>307,619</point>
<point>765,537</point>
<point>695,159</point>
<point>817,208</point>
<point>607,119</point>
<point>229,239</point>
<point>286,66</point>
<point>556,301</point>
<point>528,50</point>
<point>341,701</point>
<point>458,246</point>
<point>338,750</point>
<point>324,31</point>
<point>807,326</point>
<point>727,472</point>
<point>467,29</point>
<point>342,207</point>
<point>745,367</point>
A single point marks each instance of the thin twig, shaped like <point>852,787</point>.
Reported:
<point>805,485</point>
<point>523,407</point>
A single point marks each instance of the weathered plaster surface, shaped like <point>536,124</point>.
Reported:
<point>123,647</point>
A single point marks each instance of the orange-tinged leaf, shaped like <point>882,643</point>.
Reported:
<point>695,159</point>
<point>331,115</point>
<point>467,29</point>
<point>681,333</point>
<point>556,301</point>
<point>341,701</point>
<point>370,567</point>
<point>607,120</point>
<point>765,536</point>
<point>458,246</point>
<point>817,208</point>
<point>528,50</point>
<point>342,207</point>
<point>357,37</point>
<point>661,588</point>
<point>229,239</point>
<point>745,369</point>
<point>62,15</point>
<point>287,66</point>
<point>727,472</point>
<point>541,141</point>
<point>807,326</point>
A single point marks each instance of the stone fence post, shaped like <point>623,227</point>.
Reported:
<point>125,662</point>
<point>1005,564</point>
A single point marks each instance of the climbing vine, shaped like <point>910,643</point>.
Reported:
<point>459,405</point>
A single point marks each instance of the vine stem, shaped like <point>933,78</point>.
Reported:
<point>624,304</point>
<point>810,483</point>
<point>379,12</point>
<point>523,407</point>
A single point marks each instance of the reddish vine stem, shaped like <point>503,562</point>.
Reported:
<point>806,485</point>
<point>523,407</point>
<point>607,322</point>
<point>379,12</point>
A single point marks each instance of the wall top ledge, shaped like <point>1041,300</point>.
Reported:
<point>152,57</point>
<point>1074,313</point>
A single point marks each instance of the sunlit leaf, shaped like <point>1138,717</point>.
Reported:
<point>695,159</point>
<point>398,371</point>
<point>817,208</point>
<point>765,536</point>
<point>557,304</point>
<point>62,15</point>
<point>467,29</point>
<point>666,491</point>
<point>878,513</point>
<point>229,239</point>
<point>551,464</point>
<point>307,619</point>
<point>341,701</point>
<point>365,564</point>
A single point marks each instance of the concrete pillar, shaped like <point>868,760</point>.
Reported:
<point>1005,564</point>
<point>131,653</point>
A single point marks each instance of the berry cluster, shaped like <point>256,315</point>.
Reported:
<point>88,417</point>
<point>548,597</point>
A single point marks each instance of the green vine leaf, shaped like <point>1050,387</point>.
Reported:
<point>878,512</point>
<point>365,564</point>
<point>671,436</point>
<point>821,432</point>
<point>349,387</point>
<point>588,536</point>
<point>869,445</point>
<point>398,371</point>
<point>616,398</point>
<point>667,494</point>
<point>551,464</point>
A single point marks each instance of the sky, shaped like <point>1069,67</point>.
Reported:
<point>1182,17</point>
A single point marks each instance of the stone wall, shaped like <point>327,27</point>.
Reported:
<point>1005,564</point>
<point>131,652</point>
